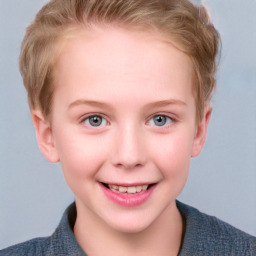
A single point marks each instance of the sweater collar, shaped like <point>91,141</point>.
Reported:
<point>67,241</point>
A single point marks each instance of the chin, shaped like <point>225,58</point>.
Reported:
<point>131,224</point>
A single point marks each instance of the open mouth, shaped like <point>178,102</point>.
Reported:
<point>129,195</point>
<point>128,189</point>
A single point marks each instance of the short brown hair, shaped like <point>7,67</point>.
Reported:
<point>180,20</point>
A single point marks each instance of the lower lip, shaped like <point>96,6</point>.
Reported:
<point>128,200</point>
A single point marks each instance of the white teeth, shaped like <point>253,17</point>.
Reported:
<point>128,190</point>
<point>122,189</point>
<point>115,186</point>
<point>131,190</point>
<point>139,188</point>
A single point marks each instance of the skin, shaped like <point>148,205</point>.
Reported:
<point>127,78</point>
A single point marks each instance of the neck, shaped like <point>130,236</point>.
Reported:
<point>162,237</point>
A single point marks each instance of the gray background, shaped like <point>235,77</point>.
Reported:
<point>222,181</point>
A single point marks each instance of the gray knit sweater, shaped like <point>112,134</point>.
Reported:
<point>203,235</point>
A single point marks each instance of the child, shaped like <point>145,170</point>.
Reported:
<point>119,92</point>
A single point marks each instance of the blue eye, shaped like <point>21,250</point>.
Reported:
<point>95,121</point>
<point>160,120</point>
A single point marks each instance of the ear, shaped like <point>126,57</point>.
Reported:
<point>201,132</point>
<point>44,136</point>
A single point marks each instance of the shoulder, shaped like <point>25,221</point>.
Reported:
<point>61,242</point>
<point>207,235</point>
<point>37,246</point>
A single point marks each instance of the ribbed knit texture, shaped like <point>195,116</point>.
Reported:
<point>204,235</point>
<point>207,235</point>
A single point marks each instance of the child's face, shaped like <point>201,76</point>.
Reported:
<point>123,114</point>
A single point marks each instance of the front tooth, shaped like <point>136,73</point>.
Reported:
<point>113,187</point>
<point>122,189</point>
<point>144,187</point>
<point>131,190</point>
<point>138,189</point>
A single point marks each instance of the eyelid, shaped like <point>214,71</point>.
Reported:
<point>86,116</point>
<point>169,115</point>
<point>170,123</point>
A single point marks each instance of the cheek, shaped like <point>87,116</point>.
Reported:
<point>173,161</point>
<point>172,155</point>
<point>80,156</point>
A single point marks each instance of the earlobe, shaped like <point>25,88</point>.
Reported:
<point>201,132</point>
<point>44,136</point>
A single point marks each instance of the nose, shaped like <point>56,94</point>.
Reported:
<point>129,150</point>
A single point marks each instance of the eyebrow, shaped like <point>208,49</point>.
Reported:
<point>160,103</point>
<point>92,103</point>
<point>163,103</point>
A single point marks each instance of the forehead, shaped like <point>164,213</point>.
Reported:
<point>121,61</point>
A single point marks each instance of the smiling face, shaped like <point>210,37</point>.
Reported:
<point>123,125</point>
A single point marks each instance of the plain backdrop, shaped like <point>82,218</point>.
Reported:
<point>222,181</point>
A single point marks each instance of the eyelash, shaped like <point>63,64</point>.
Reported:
<point>96,115</point>
<point>168,118</point>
